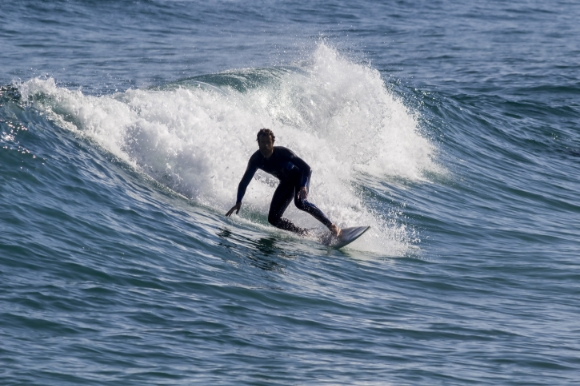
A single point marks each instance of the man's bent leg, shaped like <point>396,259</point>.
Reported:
<point>309,207</point>
<point>282,198</point>
<point>287,225</point>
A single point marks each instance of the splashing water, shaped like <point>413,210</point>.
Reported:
<point>196,136</point>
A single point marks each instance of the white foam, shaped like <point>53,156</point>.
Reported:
<point>335,114</point>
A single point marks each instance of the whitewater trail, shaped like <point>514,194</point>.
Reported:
<point>336,114</point>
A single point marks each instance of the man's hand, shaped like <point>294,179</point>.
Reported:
<point>303,193</point>
<point>236,208</point>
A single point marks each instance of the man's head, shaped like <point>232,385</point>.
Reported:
<point>266,142</point>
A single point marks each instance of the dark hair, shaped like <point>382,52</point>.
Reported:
<point>264,132</point>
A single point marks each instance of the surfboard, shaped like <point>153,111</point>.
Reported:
<point>347,236</point>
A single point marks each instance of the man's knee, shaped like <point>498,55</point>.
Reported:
<point>301,204</point>
<point>273,219</point>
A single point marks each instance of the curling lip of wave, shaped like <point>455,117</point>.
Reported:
<point>195,136</point>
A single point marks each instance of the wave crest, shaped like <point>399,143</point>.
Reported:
<point>196,135</point>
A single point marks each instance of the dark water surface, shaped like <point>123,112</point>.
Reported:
<point>451,129</point>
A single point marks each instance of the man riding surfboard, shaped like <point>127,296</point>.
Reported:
<point>294,175</point>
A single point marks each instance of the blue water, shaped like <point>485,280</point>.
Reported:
<point>452,128</point>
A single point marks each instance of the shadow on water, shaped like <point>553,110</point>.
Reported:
<point>268,249</point>
<point>260,253</point>
<point>267,245</point>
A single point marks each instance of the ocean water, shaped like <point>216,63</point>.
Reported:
<point>452,128</point>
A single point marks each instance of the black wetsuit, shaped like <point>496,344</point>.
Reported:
<point>293,174</point>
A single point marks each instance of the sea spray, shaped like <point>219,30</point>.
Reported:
<point>334,113</point>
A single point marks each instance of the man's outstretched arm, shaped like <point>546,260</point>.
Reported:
<point>248,175</point>
<point>236,208</point>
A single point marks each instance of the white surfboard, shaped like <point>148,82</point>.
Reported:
<point>347,236</point>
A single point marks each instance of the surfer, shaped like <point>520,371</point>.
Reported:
<point>294,175</point>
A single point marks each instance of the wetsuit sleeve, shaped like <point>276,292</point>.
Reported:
<point>248,175</point>
<point>305,170</point>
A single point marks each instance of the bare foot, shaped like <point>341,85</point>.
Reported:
<point>334,230</point>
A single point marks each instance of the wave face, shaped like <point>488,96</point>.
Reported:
<point>196,135</point>
<point>452,128</point>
